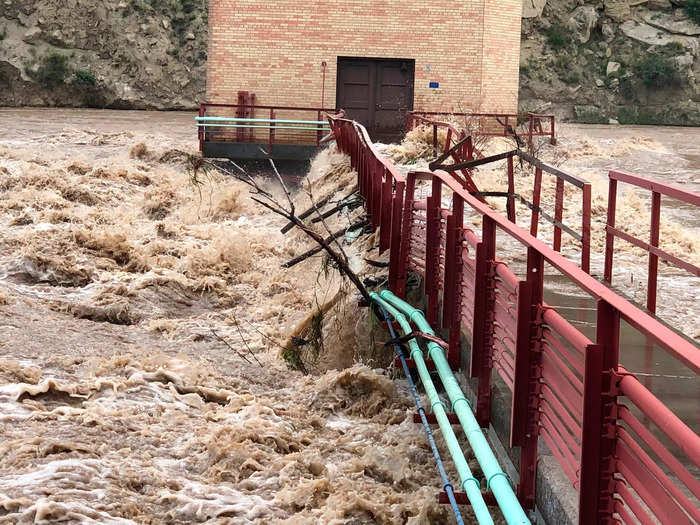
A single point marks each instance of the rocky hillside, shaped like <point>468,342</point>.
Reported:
<point>107,53</point>
<point>630,61</point>
<point>626,61</point>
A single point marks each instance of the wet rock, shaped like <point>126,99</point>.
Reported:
<point>648,34</point>
<point>613,68</point>
<point>618,10</point>
<point>32,36</point>
<point>582,21</point>
<point>608,31</point>
<point>533,8</point>
<point>672,23</point>
<point>659,4</point>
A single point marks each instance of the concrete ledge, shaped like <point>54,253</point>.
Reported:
<point>251,150</point>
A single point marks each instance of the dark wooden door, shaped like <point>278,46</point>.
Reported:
<point>376,92</point>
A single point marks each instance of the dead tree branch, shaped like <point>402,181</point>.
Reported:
<point>316,249</point>
<point>268,201</point>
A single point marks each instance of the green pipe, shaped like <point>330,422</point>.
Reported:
<point>298,128</point>
<point>497,481</point>
<point>470,484</point>
<point>282,121</point>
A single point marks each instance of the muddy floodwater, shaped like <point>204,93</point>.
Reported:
<point>143,312</point>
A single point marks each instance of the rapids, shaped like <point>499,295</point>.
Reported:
<point>120,273</point>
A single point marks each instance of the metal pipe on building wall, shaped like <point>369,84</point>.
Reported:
<point>497,481</point>
<point>470,484</point>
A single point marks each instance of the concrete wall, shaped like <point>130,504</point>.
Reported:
<point>275,49</point>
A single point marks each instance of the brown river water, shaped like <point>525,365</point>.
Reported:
<point>120,273</point>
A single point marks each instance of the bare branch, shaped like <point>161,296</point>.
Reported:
<point>232,348</point>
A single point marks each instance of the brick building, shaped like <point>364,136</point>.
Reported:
<point>374,58</point>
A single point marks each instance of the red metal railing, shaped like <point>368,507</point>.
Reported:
<point>269,132</point>
<point>493,124</point>
<point>465,162</point>
<point>657,189</point>
<point>567,389</point>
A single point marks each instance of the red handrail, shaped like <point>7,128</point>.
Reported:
<point>565,388</point>
<point>657,189</point>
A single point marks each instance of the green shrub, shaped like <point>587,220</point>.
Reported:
<point>571,77</point>
<point>53,70</point>
<point>558,36</point>
<point>672,49</point>
<point>656,71</point>
<point>84,78</point>
<point>633,115</point>
<point>692,7</point>
<point>587,115</point>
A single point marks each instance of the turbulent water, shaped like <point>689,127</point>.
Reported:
<point>142,311</point>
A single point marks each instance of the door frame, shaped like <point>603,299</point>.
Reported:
<point>373,94</point>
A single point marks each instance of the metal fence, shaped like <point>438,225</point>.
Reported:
<point>657,190</point>
<point>491,124</point>
<point>266,125</point>
<point>626,453</point>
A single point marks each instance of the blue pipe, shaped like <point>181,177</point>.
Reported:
<point>446,485</point>
<point>497,480</point>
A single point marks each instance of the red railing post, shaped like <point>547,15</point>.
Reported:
<point>448,140</point>
<point>586,228</point>
<point>251,114</point>
<point>653,258</point>
<point>435,139</point>
<point>537,190</point>
<point>528,371</point>
<point>510,203</point>
<point>552,140</point>
<point>449,286</point>
<point>482,330</point>
<point>406,230</point>
<point>397,281</point>
<point>386,209</point>
<point>432,250</point>
<point>201,129</point>
<point>241,113</point>
<point>609,236</point>
<point>318,131</point>
<point>452,301</point>
<point>272,131</point>
<point>558,213</point>
<point>598,441</point>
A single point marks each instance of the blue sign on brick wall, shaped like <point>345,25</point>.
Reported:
<point>435,84</point>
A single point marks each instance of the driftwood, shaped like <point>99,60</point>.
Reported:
<point>377,264</point>
<point>327,240</point>
<point>345,203</point>
<point>320,204</point>
<point>268,201</point>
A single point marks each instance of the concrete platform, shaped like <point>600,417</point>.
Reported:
<point>258,151</point>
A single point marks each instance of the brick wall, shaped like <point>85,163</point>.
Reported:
<point>275,49</point>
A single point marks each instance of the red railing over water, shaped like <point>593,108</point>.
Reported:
<point>657,190</point>
<point>261,124</point>
<point>630,458</point>
<point>491,124</point>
